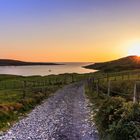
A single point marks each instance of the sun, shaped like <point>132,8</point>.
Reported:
<point>134,49</point>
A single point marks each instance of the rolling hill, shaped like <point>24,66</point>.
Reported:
<point>10,62</point>
<point>126,63</point>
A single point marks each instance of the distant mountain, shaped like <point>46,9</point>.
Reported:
<point>10,62</point>
<point>126,63</point>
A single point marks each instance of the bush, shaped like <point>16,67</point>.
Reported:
<point>5,117</point>
<point>118,119</point>
<point>106,114</point>
<point>128,127</point>
<point>10,107</point>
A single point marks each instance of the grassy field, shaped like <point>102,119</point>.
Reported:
<point>125,63</point>
<point>116,116</point>
<point>18,94</point>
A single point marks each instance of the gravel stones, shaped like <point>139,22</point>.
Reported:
<point>64,116</point>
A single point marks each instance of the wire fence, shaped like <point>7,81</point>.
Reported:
<point>11,89</point>
<point>126,85</point>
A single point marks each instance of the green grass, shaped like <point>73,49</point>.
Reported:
<point>126,63</point>
<point>116,116</point>
<point>16,98</point>
<point>13,105</point>
<point>7,96</point>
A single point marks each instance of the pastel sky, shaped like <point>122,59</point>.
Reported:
<point>68,30</point>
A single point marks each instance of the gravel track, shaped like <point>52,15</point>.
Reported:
<point>64,116</point>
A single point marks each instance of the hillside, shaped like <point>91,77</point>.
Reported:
<point>126,63</point>
<point>9,62</point>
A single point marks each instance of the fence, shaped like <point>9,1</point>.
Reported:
<point>106,82</point>
<point>102,83</point>
<point>20,88</point>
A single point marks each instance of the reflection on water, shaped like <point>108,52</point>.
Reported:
<point>45,70</point>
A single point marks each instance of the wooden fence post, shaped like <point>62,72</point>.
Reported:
<point>65,79</point>
<point>43,87</point>
<point>97,87</point>
<point>135,92</point>
<point>89,84</point>
<point>115,78</point>
<point>50,82</point>
<point>122,77</point>
<point>107,77</point>
<point>109,86</point>
<point>93,84</point>
<point>128,76</point>
<point>24,89</point>
<point>138,76</point>
<point>73,80</point>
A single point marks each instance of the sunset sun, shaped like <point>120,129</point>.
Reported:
<point>134,49</point>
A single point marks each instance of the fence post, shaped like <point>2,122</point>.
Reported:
<point>115,78</point>
<point>128,76</point>
<point>89,84</point>
<point>97,87</point>
<point>109,86</point>
<point>65,79</point>
<point>107,77</point>
<point>92,84</point>
<point>138,76</point>
<point>135,93</point>
<point>24,89</point>
<point>122,77</point>
<point>43,87</point>
<point>50,82</point>
<point>72,78</point>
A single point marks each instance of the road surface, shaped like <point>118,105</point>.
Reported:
<point>64,116</point>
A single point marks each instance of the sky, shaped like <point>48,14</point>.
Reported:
<point>69,30</point>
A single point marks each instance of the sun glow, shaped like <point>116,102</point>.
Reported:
<point>134,49</point>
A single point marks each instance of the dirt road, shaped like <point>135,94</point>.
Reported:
<point>64,116</point>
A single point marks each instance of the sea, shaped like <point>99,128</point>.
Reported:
<point>69,67</point>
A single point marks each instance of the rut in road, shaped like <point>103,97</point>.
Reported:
<point>64,116</point>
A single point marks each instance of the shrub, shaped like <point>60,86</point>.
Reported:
<point>105,116</point>
<point>10,107</point>
<point>5,117</point>
<point>128,127</point>
<point>118,119</point>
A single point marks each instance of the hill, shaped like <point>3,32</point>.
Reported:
<point>126,63</point>
<point>10,62</point>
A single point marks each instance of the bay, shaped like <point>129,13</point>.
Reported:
<point>46,70</point>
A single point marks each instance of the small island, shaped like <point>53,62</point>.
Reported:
<point>10,62</point>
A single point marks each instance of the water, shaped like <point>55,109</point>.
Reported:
<point>45,70</point>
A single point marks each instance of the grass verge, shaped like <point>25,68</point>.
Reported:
<point>12,111</point>
<point>116,118</point>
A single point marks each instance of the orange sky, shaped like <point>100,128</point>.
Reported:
<point>72,31</point>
